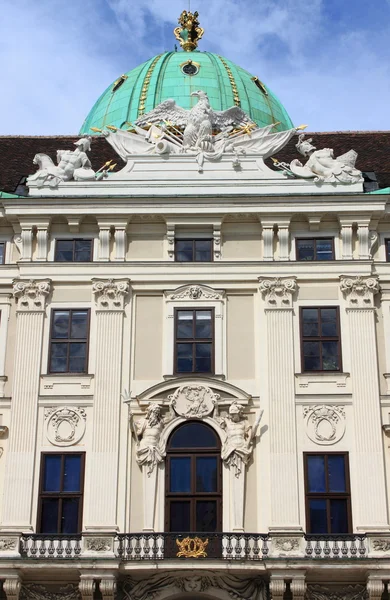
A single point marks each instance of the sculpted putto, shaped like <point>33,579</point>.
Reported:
<point>238,445</point>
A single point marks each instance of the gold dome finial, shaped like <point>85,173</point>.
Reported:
<point>189,32</point>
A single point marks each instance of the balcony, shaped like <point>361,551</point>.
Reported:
<point>199,546</point>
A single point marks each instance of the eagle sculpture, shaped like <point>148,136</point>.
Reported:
<point>198,122</point>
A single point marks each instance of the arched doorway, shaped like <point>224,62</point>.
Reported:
<point>193,480</point>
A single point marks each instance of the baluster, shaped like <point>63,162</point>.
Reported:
<point>336,549</point>
<point>68,547</point>
<point>42,547</point>
<point>309,548</point>
<point>265,548</point>
<point>344,548</point>
<point>77,547</point>
<point>60,547</point>
<point>137,548</point>
<point>362,545</point>
<point>256,547</point>
<point>34,548</point>
<point>353,548</point>
<point>229,548</point>
<point>317,548</point>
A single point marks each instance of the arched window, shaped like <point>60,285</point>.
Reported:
<point>193,479</point>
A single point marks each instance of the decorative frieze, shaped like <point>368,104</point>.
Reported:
<point>348,592</point>
<point>65,426</point>
<point>325,425</point>
<point>8,543</point>
<point>359,291</point>
<point>286,544</point>
<point>110,294</point>
<point>278,292</point>
<point>381,544</point>
<point>31,295</point>
<point>99,544</point>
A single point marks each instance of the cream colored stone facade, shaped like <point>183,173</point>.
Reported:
<point>256,287</point>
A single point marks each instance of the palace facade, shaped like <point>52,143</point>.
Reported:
<point>195,348</point>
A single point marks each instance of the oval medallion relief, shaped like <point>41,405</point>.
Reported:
<point>65,426</point>
<point>325,424</point>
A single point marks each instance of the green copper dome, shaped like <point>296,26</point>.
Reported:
<point>177,74</point>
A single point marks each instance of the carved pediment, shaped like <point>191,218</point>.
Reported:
<point>194,292</point>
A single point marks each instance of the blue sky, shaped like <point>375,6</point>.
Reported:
<point>327,60</point>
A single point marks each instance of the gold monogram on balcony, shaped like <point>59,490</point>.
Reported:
<point>192,547</point>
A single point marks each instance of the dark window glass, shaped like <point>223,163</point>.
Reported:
<point>387,245</point>
<point>2,253</point>
<point>73,250</point>
<point>61,493</point>
<point>193,479</point>
<point>69,341</point>
<point>320,335</point>
<point>315,249</point>
<point>194,341</point>
<point>193,435</point>
<point>193,250</point>
<point>180,474</point>
<point>328,503</point>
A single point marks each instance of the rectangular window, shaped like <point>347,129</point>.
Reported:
<point>328,498</point>
<point>61,493</point>
<point>194,343</point>
<point>193,250</point>
<point>73,250</point>
<point>387,245</point>
<point>320,339</point>
<point>69,341</point>
<point>314,248</point>
<point>2,253</point>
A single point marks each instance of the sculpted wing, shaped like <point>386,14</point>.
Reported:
<point>166,111</point>
<point>232,116</point>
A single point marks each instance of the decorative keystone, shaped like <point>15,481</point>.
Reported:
<point>31,295</point>
<point>110,294</point>
<point>278,291</point>
<point>359,291</point>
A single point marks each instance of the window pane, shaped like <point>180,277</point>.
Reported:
<point>316,473</point>
<point>194,435</point>
<point>70,515</point>
<point>52,473</point>
<point>83,250</point>
<point>206,474</point>
<point>324,249</point>
<point>203,250</point>
<point>330,356</point>
<point>72,472</point>
<point>317,516</point>
<point>77,357</point>
<point>310,322</point>
<point>58,358</point>
<point>203,325</point>
<point>206,515</point>
<point>49,515</point>
<point>338,516</point>
<point>305,249</point>
<point>79,324</point>
<point>329,322</point>
<point>180,474</point>
<point>64,251</point>
<point>2,253</point>
<point>184,358</point>
<point>184,326</point>
<point>336,473</point>
<point>180,516</point>
<point>311,356</point>
<point>60,327</point>
<point>203,358</point>
<point>184,250</point>
<point>388,250</point>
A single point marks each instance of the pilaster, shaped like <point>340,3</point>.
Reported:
<point>346,238</point>
<point>278,295</point>
<point>110,297</point>
<point>31,298</point>
<point>370,511</point>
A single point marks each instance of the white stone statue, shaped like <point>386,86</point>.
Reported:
<point>199,121</point>
<point>71,164</point>
<point>147,433</point>
<point>238,446</point>
<point>323,167</point>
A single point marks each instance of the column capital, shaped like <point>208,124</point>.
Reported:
<point>31,295</point>
<point>359,291</point>
<point>278,291</point>
<point>110,294</point>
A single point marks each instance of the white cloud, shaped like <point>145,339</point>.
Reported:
<point>57,57</point>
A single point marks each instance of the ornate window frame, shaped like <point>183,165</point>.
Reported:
<point>196,296</point>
